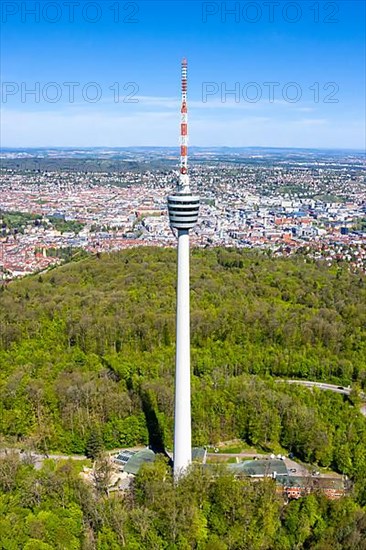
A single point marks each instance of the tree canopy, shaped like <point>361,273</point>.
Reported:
<point>88,349</point>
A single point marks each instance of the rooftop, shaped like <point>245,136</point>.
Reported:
<point>137,460</point>
<point>260,468</point>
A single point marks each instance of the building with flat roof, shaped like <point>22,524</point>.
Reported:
<point>274,468</point>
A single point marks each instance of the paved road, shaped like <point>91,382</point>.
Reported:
<point>38,458</point>
<point>320,385</point>
<point>330,387</point>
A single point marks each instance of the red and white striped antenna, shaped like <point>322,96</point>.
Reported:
<point>184,178</point>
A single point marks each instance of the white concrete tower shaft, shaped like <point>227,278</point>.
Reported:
<point>182,421</point>
<point>183,213</point>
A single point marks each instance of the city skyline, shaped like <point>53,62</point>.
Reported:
<point>261,75</point>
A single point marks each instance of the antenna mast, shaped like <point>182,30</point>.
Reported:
<point>184,178</point>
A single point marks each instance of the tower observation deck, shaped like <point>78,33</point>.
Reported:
<point>183,214</point>
<point>183,210</point>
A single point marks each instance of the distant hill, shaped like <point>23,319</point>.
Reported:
<point>121,159</point>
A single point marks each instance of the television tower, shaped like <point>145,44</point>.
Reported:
<point>183,213</point>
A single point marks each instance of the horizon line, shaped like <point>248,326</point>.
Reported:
<point>72,147</point>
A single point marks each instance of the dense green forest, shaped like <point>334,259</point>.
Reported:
<point>89,349</point>
<point>53,509</point>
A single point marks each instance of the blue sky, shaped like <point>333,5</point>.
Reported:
<point>107,73</point>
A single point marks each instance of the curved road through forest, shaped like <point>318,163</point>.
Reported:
<point>329,387</point>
